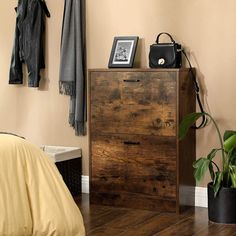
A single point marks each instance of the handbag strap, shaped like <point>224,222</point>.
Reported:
<point>197,90</point>
<point>158,36</point>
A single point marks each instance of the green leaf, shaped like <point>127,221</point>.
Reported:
<point>233,175</point>
<point>232,156</point>
<point>212,154</point>
<point>187,122</point>
<point>211,170</point>
<point>230,142</point>
<point>201,166</point>
<point>217,182</point>
<point>228,133</point>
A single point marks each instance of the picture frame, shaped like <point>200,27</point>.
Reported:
<point>123,52</point>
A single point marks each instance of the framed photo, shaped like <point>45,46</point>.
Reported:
<point>123,51</point>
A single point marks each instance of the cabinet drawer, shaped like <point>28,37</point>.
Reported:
<point>133,103</point>
<point>143,166</point>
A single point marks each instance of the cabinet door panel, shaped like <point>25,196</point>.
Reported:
<point>133,165</point>
<point>108,165</point>
<point>133,103</point>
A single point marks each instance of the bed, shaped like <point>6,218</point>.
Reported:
<point>33,197</point>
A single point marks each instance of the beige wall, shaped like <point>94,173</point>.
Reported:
<point>7,94</point>
<point>206,28</point>
<point>41,115</point>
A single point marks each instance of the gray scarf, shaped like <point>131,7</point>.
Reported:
<point>72,65</point>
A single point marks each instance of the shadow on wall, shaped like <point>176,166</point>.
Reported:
<point>200,76</point>
<point>140,60</point>
<point>44,81</point>
<point>202,84</point>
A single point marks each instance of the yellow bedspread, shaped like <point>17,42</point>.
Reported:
<point>33,197</point>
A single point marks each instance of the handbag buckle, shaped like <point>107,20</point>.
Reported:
<point>161,61</point>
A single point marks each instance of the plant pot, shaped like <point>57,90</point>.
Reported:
<point>222,208</point>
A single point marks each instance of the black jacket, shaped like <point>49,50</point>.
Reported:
<point>28,43</point>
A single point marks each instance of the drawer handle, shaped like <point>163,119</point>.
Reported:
<point>131,80</point>
<point>131,143</point>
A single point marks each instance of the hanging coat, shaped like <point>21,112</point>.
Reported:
<point>28,43</point>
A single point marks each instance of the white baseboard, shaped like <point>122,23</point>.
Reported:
<point>85,183</point>
<point>190,193</point>
<point>199,192</point>
<point>201,197</point>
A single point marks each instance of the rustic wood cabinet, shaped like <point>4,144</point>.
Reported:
<point>136,159</point>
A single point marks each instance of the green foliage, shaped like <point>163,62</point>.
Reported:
<point>226,176</point>
<point>229,143</point>
<point>217,182</point>
<point>201,166</point>
<point>188,121</point>
<point>232,170</point>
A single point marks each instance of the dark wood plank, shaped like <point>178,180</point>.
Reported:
<point>118,226</point>
<point>105,221</point>
<point>188,226</point>
<point>217,230</point>
<point>153,225</point>
<point>132,219</point>
<point>104,231</point>
<point>98,221</point>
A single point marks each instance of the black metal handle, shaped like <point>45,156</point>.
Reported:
<point>131,143</point>
<point>131,80</point>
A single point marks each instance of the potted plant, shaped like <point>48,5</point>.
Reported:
<point>222,189</point>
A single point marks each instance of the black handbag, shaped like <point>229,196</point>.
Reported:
<point>165,55</point>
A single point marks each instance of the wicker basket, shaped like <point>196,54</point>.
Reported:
<point>68,162</point>
<point>71,173</point>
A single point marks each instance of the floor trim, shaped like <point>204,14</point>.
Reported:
<point>85,183</point>
<point>201,197</point>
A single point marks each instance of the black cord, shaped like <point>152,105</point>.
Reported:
<point>197,90</point>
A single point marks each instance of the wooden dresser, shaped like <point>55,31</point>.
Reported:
<point>136,159</point>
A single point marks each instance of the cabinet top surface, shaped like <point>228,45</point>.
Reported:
<point>136,70</point>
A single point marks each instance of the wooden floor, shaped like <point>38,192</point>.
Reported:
<point>106,221</point>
